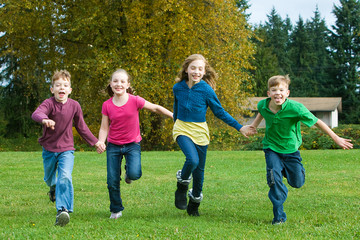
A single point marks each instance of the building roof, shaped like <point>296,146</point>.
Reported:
<point>314,104</point>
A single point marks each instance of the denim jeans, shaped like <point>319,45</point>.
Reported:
<point>63,162</point>
<point>194,164</point>
<point>114,156</point>
<point>278,166</point>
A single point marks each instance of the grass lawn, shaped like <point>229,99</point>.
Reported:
<point>235,204</point>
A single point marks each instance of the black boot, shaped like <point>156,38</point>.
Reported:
<point>180,196</point>
<point>192,208</point>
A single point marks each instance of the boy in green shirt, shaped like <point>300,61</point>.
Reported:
<point>282,140</point>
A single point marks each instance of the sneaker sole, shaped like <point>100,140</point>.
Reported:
<point>63,219</point>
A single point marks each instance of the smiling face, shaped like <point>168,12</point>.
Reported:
<point>61,89</point>
<point>196,70</point>
<point>278,93</point>
<point>119,83</point>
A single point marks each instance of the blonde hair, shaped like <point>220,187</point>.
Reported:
<point>108,87</point>
<point>277,80</point>
<point>210,75</point>
<point>60,74</point>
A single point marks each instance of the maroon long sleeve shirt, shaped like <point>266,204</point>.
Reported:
<point>64,115</point>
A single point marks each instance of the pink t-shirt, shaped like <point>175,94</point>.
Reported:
<point>124,121</point>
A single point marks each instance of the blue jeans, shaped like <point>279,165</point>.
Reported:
<point>194,164</point>
<point>63,162</point>
<point>114,156</point>
<point>278,166</point>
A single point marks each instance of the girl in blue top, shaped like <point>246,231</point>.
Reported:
<point>193,94</point>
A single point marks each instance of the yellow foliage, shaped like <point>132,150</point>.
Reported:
<point>150,39</point>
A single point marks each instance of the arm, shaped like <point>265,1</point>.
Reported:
<point>257,120</point>
<point>251,129</point>
<point>342,142</point>
<point>41,115</point>
<point>158,109</point>
<point>104,130</point>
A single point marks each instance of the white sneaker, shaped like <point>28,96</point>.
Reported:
<point>115,215</point>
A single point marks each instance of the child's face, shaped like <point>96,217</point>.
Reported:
<point>196,70</point>
<point>279,93</point>
<point>119,83</point>
<point>61,89</point>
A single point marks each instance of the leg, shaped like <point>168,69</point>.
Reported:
<point>114,158</point>
<point>184,176</point>
<point>294,170</point>
<point>64,188</point>
<point>195,194</point>
<point>133,161</point>
<point>50,165</point>
<point>198,173</point>
<point>278,191</point>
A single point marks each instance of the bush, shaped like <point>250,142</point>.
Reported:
<point>225,138</point>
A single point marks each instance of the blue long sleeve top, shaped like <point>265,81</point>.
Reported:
<point>191,104</point>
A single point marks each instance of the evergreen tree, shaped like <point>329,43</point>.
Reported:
<point>302,59</point>
<point>278,38</point>
<point>345,44</point>
<point>322,65</point>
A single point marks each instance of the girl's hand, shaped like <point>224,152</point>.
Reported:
<point>248,130</point>
<point>100,147</point>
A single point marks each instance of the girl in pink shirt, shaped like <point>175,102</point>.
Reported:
<point>120,127</point>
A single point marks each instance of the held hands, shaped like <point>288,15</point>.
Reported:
<point>100,147</point>
<point>248,130</point>
<point>49,123</point>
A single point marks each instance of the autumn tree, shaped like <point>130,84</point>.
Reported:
<point>149,39</point>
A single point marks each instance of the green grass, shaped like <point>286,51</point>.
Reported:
<point>235,204</point>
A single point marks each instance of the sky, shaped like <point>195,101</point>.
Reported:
<point>293,8</point>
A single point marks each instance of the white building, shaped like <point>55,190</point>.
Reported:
<point>324,108</point>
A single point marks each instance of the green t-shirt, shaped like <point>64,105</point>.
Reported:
<point>283,134</point>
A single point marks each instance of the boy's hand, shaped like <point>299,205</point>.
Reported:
<point>248,130</point>
<point>49,123</point>
<point>100,147</point>
<point>343,143</point>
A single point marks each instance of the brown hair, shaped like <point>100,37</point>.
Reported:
<point>277,80</point>
<point>210,75</point>
<point>60,74</point>
<point>108,87</point>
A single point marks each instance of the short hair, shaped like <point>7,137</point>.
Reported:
<point>278,79</point>
<point>61,74</point>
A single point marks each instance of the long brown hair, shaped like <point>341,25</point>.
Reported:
<point>210,75</point>
<point>108,87</point>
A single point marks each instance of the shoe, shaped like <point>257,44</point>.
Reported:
<point>278,222</point>
<point>127,180</point>
<point>193,208</point>
<point>51,193</point>
<point>62,217</point>
<point>180,196</point>
<point>115,215</point>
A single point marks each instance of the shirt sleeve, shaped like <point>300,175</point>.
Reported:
<point>140,102</point>
<point>175,107</point>
<point>307,117</point>
<point>220,112</point>
<point>82,128</point>
<point>42,112</point>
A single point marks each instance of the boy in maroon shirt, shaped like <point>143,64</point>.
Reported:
<point>57,114</point>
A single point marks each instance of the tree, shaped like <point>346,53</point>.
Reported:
<point>303,59</point>
<point>149,39</point>
<point>345,45</point>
